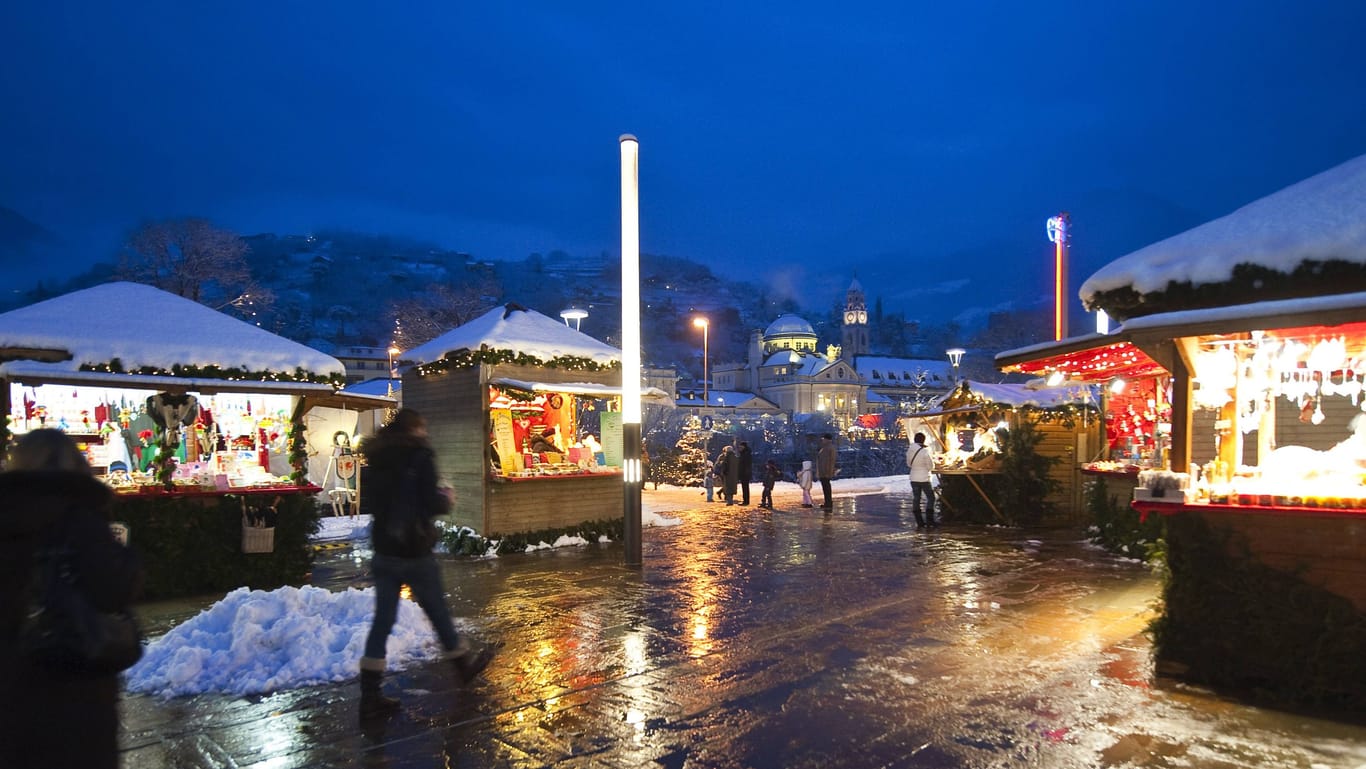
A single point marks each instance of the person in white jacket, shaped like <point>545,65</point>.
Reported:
<point>920,461</point>
<point>804,480</point>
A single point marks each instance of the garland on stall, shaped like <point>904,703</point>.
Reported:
<point>466,358</point>
<point>213,371</point>
<point>165,465</point>
<point>298,452</point>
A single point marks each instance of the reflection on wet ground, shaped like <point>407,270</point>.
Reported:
<point>791,638</point>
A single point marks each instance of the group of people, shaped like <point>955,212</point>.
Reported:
<point>733,470</point>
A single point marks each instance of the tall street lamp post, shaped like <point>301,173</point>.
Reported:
<point>705,325</point>
<point>630,347</point>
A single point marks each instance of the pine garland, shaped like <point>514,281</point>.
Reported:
<point>466,358</point>
<point>214,371</point>
<point>298,452</point>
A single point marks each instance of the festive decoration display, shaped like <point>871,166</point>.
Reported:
<point>115,366</point>
<point>464,358</point>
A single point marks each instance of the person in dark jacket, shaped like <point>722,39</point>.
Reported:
<point>58,718</point>
<point>770,476</point>
<point>746,465</point>
<point>728,470</point>
<point>825,468</point>
<point>400,454</point>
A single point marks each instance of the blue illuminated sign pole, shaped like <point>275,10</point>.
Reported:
<point>630,346</point>
<point>1059,233</point>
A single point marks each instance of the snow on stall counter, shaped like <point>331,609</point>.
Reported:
<point>255,641</point>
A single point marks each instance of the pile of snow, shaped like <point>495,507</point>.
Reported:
<point>253,641</point>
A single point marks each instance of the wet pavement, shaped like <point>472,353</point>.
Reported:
<point>791,638</point>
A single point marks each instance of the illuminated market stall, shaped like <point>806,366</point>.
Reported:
<point>198,424</point>
<point>1259,320</point>
<point>962,430</point>
<point>525,416</point>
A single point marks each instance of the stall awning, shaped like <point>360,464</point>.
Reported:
<point>1090,358</point>
<point>577,388</point>
<point>29,373</point>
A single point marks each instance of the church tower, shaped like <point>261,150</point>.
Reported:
<point>854,335</point>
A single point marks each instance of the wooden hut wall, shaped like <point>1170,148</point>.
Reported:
<point>454,404</point>
<point>1060,441</point>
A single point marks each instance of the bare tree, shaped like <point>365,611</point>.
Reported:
<point>422,317</point>
<point>190,257</point>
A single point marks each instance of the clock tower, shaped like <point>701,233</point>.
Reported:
<point>854,335</point>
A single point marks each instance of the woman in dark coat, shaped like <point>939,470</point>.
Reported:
<point>56,718</point>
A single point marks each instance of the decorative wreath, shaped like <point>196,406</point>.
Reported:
<point>555,400</point>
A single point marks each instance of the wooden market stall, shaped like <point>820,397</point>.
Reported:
<point>1259,319</point>
<point>524,413</point>
<point>198,423</point>
<point>961,427</point>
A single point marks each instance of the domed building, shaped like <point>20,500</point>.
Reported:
<point>784,370</point>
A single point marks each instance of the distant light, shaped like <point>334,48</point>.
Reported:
<point>1117,386</point>
<point>1102,322</point>
<point>955,355</point>
<point>1055,378</point>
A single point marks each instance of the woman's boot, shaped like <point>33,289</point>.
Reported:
<point>373,703</point>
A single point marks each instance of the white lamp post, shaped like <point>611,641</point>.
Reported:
<point>630,345</point>
<point>705,325</point>
<point>955,357</point>
<point>575,314</point>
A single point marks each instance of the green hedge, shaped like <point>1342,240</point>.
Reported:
<point>193,545</point>
<point>1117,526</point>
<point>1231,622</point>
<point>463,540</point>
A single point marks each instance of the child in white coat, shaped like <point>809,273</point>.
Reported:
<point>804,480</point>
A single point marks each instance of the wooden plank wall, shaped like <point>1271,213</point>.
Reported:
<point>454,404</point>
<point>535,504</point>
<point>1060,441</point>
<point>1327,551</point>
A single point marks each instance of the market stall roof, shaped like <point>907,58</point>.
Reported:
<point>970,396</point>
<point>1318,219</point>
<point>1132,351</point>
<point>143,326</point>
<point>516,328</point>
<point>576,388</point>
<point>1089,358</point>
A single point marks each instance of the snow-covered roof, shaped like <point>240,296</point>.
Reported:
<point>519,329</point>
<point>879,370</point>
<point>788,325</point>
<point>1320,218</point>
<point>724,399</point>
<point>144,326</point>
<point>1017,395</point>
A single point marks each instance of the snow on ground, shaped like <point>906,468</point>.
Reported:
<point>255,641</point>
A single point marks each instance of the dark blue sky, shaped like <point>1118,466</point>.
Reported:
<point>921,144</point>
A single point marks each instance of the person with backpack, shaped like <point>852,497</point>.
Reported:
<point>920,461</point>
<point>403,497</point>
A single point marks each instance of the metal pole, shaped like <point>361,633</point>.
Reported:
<point>633,482</point>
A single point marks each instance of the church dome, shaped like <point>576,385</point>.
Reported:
<point>789,325</point>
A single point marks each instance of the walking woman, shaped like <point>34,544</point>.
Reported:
<point>401,489</point>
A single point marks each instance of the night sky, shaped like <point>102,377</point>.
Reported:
<point>922,145</point>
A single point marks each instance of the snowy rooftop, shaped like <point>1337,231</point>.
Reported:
<point>1320,218</point>
<point>1017,395</point>
<point>879,370</point>
<point>519,329</point>
<point>145,326</point>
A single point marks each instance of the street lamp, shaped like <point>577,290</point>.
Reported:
<point>705,325</point>
<point>1059,230</point>
<point>575,314</point>
<point>631,469</point>
<point>955,357</point>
